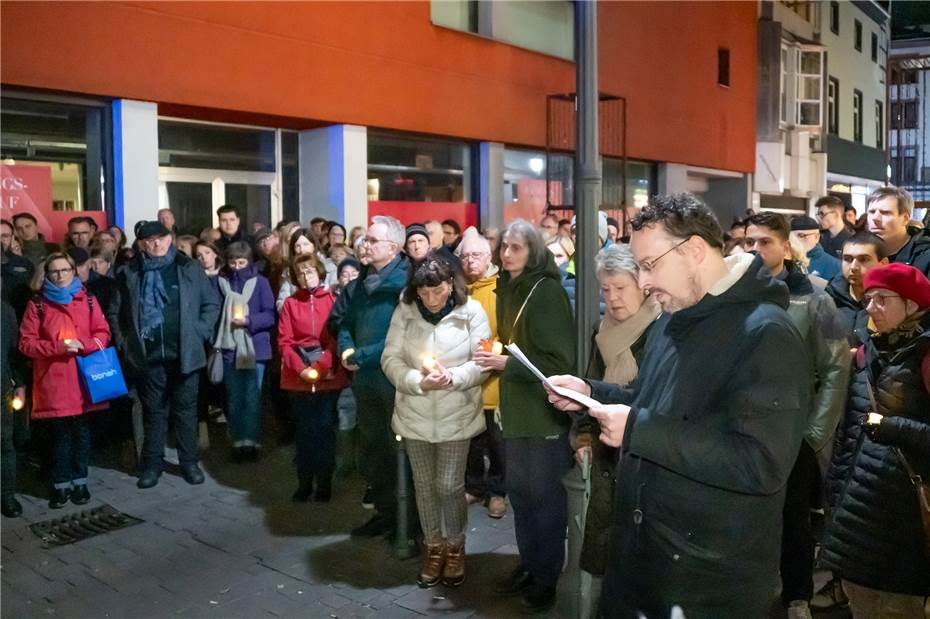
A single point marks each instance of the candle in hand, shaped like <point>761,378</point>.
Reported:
<point>313,374</point>
<point>238,312</point>
<point>70,342</point>
<point>17,403</point>
<point>348,352</point>
<point>429,362</point>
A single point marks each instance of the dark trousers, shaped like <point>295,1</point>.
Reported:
<point>797,539</point>
<point>14,427</point>
<point>374,396</point>
<point>166,393</point>
<point>535,467</point>
<point>490,443</point>
<point>315,440</point>
<point>70,450</point>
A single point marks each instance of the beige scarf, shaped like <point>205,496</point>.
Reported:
<point>614,340</point>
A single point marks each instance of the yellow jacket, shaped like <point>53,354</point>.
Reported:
<point>482,291</point>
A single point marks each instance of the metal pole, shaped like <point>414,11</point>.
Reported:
<point>404,547</point>
<point>587,196</point>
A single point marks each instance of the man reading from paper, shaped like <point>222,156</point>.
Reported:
<point>708,431</point>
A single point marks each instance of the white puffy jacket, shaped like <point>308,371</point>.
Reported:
<point>443,415</point>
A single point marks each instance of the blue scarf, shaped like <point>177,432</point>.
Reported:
<point>59,295</point>
<point>154,298</point>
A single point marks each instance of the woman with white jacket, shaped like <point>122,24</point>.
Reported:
<point>433,336</point>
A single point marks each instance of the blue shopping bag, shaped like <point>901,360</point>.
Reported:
<point>102,375</point>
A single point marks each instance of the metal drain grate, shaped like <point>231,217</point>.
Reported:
<point>81,525</point>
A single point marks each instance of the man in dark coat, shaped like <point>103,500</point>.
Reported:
<point>889,213</point>
<point>167,314</point>
<point>709,430</point>
<point>861,253</point>
<point>17,273</point>
<point>230,225</point>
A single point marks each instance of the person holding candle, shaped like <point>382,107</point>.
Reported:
<point>533,311</point>
<point>313,376</point>
<point>13,376</point>
<point>244,335</point>
<point>62,322</point>
<point>874,540</point>
<point>428,357</point>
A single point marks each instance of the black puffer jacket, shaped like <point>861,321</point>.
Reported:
<point>874,536</point>
<point>916,252</point>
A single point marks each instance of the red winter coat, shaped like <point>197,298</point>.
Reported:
<point>56,387</point>
<point>303,322</point>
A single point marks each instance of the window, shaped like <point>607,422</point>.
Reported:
<point>904,168</point>
<point>785,112</point>
<point>723,67</point>
<point>858,41</point>
<point>879,125</point>
<point>835,17</point>
<point>833,106</point>
<point>408,169</point>
<point>904,115</point>
<point>874,47</point>
<point>809,88</point>
<point>526,194</point>
<point>638,190</point>
<point>857,116</point>
<point>215,147</point>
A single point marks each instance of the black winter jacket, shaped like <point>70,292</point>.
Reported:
<point>718,414</point>
<point>874,536</point>
<point>852,313</point>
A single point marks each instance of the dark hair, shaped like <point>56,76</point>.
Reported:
<point>239,249</point>
<point>295,236</point>
<point>732,243</point>
<point>738,223</point>
<point>434,270</point>
<point>228,208</point>
<point>830,202</point>
<point>83,220</point>
<point>867,238</point>
<point>27,216</point>
<point>776,222</point>
<point>318,220</point>
<point>336,224</point>
<point>6,222</point>
<point>102,252</point>
<point>212,247</point>
<point>453,224</point>
<point>562,222</point>
<point>683,215</point>
<point>294,268</point>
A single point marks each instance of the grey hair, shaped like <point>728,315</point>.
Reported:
<point>396,233</point>
<point>538,254</point>
<point>616,258</point>
<point>472,236</point>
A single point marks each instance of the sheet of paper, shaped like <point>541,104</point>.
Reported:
<point>571,394</point>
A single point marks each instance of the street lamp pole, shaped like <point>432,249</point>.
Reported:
<point>587,190</point>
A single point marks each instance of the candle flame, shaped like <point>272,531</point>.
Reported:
<point>17,403</point>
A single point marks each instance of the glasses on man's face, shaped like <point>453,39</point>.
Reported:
<point>647,266</point>
<point>805,235</point>
<point>473,255</point>
<point>370,240</point>
<point>823,214</point>
<point>880,300</point>
<point>60,272</point>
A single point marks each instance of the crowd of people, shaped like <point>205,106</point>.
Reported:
<point>747,384</point>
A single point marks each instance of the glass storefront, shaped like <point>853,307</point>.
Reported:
<point>413,169</point>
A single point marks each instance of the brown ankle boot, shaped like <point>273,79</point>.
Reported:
<point>433,560</point>
<point>453,574</point>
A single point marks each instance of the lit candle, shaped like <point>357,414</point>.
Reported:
<point>313,374</point>
<point>70,342</point>
<point>874,419</point>
<point>429,362</point>
<point>497,348</point>
<point>238,312</point>
<point>348,352</point>
<point>17,403</point>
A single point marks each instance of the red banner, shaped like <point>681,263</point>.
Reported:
<point>465,213</point>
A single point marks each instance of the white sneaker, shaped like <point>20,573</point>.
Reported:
<point>799,609</point>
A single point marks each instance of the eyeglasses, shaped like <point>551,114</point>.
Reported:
<point>806,235</point>
<point>647,266</point>
<point>60,272</point>
<point>473,255</point>
<point>367,240</point>
<point>878,299</point>
<point>822,214</point>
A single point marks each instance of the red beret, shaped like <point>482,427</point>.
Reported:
<point>907,281</point>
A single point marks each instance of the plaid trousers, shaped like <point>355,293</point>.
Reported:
<point>439,480</point>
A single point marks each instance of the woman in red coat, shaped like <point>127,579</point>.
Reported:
<point>312,374</point>
<point>61,323</point>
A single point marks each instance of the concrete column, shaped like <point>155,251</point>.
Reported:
<point>334,174</point>
<point>491,185</point>
<point>135,162</point>
<point>673,178</point>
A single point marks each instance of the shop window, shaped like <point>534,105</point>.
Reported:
<point>526,194</point>
<point>405,169</point>
<point>638,183</point>
<point>215,147</point>
<point>55,160</point>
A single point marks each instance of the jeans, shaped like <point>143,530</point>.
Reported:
<point>167,393</point>
<point>490,443</point>
<point>797,540</point>
<point>243,402</point>
<point>70,451</point>
<point>315,439</point>
<point>535,467</point>
<point>374,396</point>
<point>15,432</point>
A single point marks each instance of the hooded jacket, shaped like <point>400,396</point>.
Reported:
<point>852,314</point>
<point>546,335</point>
<point>440,415</point>
<point>718,412</point>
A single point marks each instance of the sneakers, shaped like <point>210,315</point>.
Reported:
<point>799,609</point>
<point>453,572</point>
<point>497,507</point>
<point>80,494</point>
<point>431,569</point>
<point>515,583</point>
<point>367,500</point>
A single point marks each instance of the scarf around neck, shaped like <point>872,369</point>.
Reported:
<point>434,317</point>
<point>615,340</point>
<point>228,338</point>
<point>59,295</point>
<point>154,297</point>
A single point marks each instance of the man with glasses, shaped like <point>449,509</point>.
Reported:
<point>830,213</point>
<point>167,315</point>
<point>362,332</point>
<point>485,484</point>
<point>806,232</point>
<point>709,430</point>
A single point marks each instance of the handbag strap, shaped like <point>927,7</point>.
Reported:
<point>513,327</point>
<point>915,477</point>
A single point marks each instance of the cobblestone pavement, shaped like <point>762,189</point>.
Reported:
<point>236,547</point>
